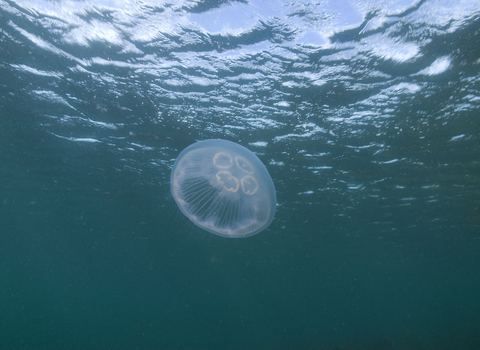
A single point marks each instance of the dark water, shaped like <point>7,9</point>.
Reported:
<point>365,113</point>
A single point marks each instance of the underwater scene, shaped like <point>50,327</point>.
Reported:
<point>240,174</point>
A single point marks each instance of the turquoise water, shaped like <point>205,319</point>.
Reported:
<point>365,115</point>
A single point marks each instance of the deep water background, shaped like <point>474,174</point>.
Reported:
<point>365,113</point>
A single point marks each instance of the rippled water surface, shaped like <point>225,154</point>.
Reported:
<point>365,113</point>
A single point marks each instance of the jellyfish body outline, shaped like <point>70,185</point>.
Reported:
<point>223,188</point>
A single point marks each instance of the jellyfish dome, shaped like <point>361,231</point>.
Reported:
<point>223,188</point>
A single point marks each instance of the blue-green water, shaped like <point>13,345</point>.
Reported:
<point>365,114</point>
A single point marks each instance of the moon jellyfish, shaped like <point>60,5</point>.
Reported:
<point>223,188</point>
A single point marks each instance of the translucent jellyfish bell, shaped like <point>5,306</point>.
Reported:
<point>223,188</point>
